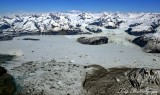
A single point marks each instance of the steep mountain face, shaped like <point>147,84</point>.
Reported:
<point>73,23</point>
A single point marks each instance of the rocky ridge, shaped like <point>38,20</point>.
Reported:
<point>121,81</point>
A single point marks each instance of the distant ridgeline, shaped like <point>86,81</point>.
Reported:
<point>78,23</point>
<point>143,25</point>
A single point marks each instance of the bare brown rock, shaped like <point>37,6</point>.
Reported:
<point>121,81</point>
<point>98,40</point>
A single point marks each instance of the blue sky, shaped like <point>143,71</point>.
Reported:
<point>7,6</point>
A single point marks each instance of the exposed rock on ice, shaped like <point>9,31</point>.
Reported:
<point>140,30</point>
<point>142,23</point>
<point>5,57</point>
<point>5,37</point>
<point>149,42</point>
<point>93,29</point>
<point>135,24</point>
<point>153,43</point>
<point>98,40</point>
<point>32,39</point>
<point>140,41</point>
<point>96,23</point>
<point>4,26</point>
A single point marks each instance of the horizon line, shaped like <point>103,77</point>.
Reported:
<point>69,11</point>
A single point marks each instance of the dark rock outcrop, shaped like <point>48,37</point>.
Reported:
<point>121,81</point>
<point>139,29</point>
<point>4,26</point>
<point>96,23</point>
<point>110,27</point>
<point>5,57</point>
<point>7,84</point>
<point>149,42</point>
<point>5,37</point>
<point>152,47</point>
<point>94,29</point>
<point>32,39</point>
<point>140,32</point>
<point>140,41</point>
<point>155,25</point>
<point>2,70</point>
<point>63,32</point>
<point>98,40</point>
<point>135,24</point>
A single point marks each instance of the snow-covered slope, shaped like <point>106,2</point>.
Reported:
<point>49,23</point>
